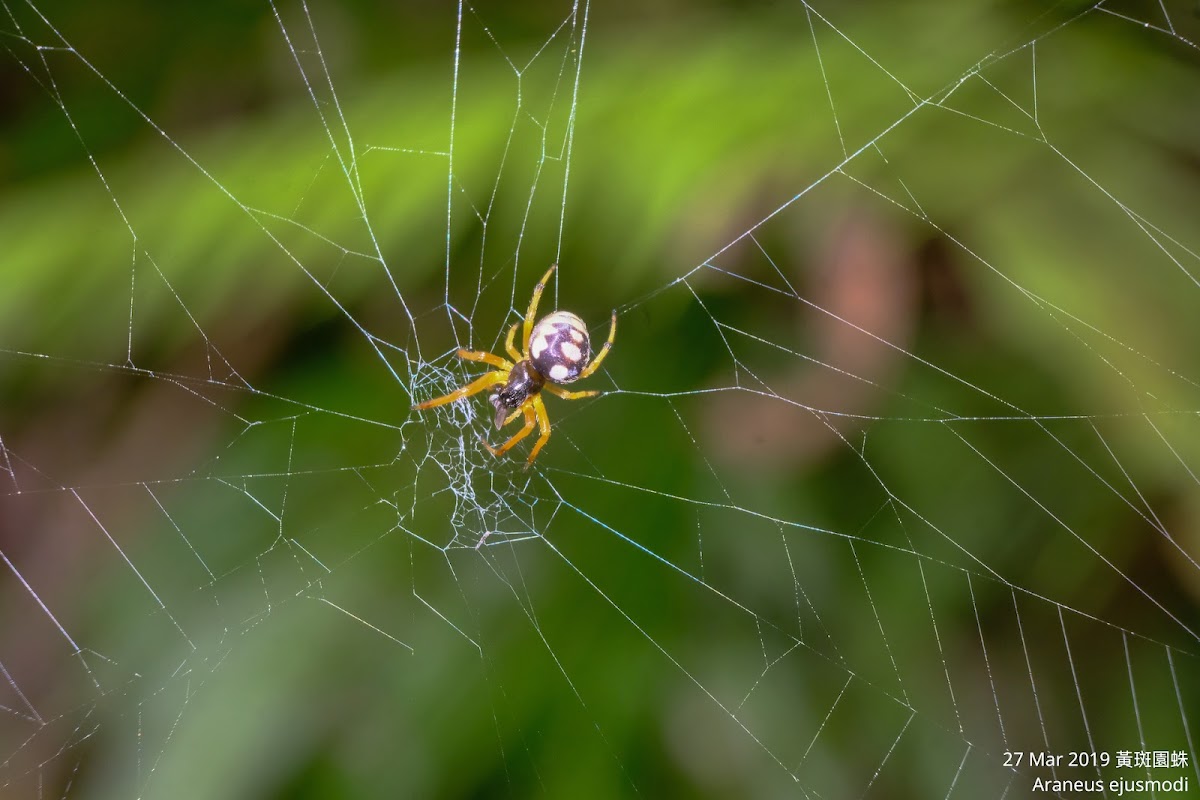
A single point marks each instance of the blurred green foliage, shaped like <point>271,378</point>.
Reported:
<point>1048,360</point>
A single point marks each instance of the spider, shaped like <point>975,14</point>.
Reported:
<point>554,351</point>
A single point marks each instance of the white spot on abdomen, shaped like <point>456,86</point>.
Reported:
<point>571,351</point>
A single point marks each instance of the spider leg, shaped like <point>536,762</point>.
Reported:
<point>508,343</point>
<point>612,334</point>
<point>558,391</point>
<point>539,409</point>
<point>486,358</point>
<point>474,387</point>
<point>530,421</point>
<point>531,314</point>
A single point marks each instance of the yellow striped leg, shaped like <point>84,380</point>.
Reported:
<point>530,421</point>
<point>531,314</point>
<point>544,421</point>
<point>508,343</point>
<point>474,387</point>
<point>486,358</point>
<point>558,391</point>
<point>612,334</point>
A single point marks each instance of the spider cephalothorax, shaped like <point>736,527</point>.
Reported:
<point>554,351</point>
<point>523,382</point>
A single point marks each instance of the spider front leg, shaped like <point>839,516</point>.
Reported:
<point>531,314</point>
<point>612,334</point>
<point>530,421</point>
<point>474,387</point>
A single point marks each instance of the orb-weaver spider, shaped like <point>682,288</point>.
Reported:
<point>554,351</point>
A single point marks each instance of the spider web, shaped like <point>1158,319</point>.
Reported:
<point>854,518</point>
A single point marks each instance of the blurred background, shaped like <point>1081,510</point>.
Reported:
<point>895,470</point>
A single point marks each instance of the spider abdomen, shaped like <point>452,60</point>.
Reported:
<point>559,347</point>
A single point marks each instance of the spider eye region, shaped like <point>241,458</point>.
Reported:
<point>559,347</point>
